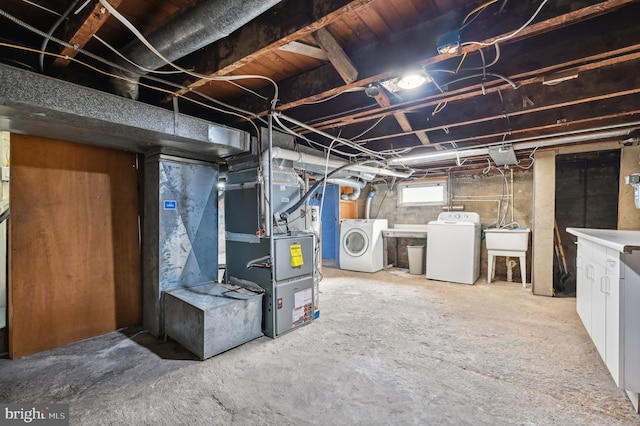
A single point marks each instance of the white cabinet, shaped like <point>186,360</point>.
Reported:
<point>584,282</point>
<point>608,299</point>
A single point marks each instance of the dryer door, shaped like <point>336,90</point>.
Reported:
<point>355,242</point>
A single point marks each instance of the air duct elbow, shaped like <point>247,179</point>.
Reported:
<point>353,196</point>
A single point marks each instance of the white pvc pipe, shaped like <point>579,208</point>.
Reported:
<point>301,157</point>
<point>518,144</point>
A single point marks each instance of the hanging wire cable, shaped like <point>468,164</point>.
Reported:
<point>249,117</point>
<point>310,141</point>
<point>532,158</point>
<point>369,129</point>
<point>238,111</point>
<point>114,50</point>
<point>480,9</point>
<point>513,34</point>
<point>53,12</point>
<point>500,76</point>
<point>54,27</point>
<point>505,115</point>
<point>144,41</point>
<point>351,90</point>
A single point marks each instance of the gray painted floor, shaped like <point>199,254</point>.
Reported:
<point>389,348</point>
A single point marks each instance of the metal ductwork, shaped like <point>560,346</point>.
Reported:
<point>303,158</point>
<point>202,24</point>
<point>352,183</point>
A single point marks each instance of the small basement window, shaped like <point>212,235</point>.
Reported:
<point>422,193</point>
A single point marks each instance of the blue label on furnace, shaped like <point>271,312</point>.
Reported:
<point>170,205</point>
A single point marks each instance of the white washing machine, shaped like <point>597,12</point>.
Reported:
<point>361,244</point>
<point>453,247</point>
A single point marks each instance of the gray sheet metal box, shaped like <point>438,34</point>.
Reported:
<point>294,304</point>
<point>286,260</point>
<point>209,319</point>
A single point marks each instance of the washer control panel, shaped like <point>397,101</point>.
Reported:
<point>472,217</point>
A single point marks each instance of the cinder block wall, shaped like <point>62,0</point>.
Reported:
<point>478,193</point>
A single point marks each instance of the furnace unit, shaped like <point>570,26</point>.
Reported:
<point>287,274</point>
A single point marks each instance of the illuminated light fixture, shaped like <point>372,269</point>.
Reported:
<point>412,79</point>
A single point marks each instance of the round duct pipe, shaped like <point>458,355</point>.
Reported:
<point>200,25</point>
<point>301,157</point>
<point>606,132</point>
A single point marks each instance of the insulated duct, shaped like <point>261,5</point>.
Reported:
<point>351,183</point>
<point>301,157</point>
<point>200,25</point>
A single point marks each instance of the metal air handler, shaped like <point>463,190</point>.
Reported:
<point>286,275</point>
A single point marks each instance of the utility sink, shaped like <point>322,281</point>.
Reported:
<point>507,239</point>
<point>507,243</point>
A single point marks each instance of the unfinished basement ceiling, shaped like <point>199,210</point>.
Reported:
<point>523,71</point>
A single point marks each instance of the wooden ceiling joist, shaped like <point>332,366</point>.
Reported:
<point>305,92</point>
<point>81,29</point>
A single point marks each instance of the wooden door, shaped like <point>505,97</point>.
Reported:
<point>74,262</point>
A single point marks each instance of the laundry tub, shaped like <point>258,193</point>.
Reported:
<point>508,243</point>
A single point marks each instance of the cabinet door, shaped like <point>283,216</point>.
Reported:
<point>583,283</point>
<point>598,299</point>
<point>610,286</point>
<point>630,318</point>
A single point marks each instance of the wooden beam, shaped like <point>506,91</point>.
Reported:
<point>384,101</point>
<point>81,29</point>
<point>291,21</point>
<point>305,88</point>
<point>305,49</point>
<point>525,79</point>
<point>336,55</point>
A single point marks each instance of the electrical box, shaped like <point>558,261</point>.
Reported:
<point>448,42</point>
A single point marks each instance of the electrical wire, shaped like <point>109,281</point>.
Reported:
<point>532,158</point>
<point>438,108</point>
<point>159,89</point>
<point>247,115</point>
<point>500,76</point>
<point>53,12</point>
<point>369,129</point>
<point>310,141</point>
<point>144,41</point>
<point>505,115</point>
<point>513,34</point>
<point>54,27</point>
<point>480,8</point>
<point>464,56</point>
<point>141,68</point>
<point>351,90</point>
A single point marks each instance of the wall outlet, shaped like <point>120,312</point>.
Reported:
<point>4,174</point>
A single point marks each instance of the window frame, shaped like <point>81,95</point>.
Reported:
<point>422,184</point>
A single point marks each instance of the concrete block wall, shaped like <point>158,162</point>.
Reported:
<point>479,193</point>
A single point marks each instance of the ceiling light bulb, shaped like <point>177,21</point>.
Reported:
<point>413,79</point>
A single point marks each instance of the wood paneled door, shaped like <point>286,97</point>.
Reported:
<point>74,254</point>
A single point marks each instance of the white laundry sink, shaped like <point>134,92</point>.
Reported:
<point>507,239</point>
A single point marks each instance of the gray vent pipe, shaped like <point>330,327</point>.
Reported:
<point>200,25</point>
<point>352,183</point>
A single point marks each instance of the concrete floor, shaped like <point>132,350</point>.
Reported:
<point>389,348</point>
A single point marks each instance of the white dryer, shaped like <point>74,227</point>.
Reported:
<point>361,244</point>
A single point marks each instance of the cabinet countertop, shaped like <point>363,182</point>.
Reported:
<point>623,241</point>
